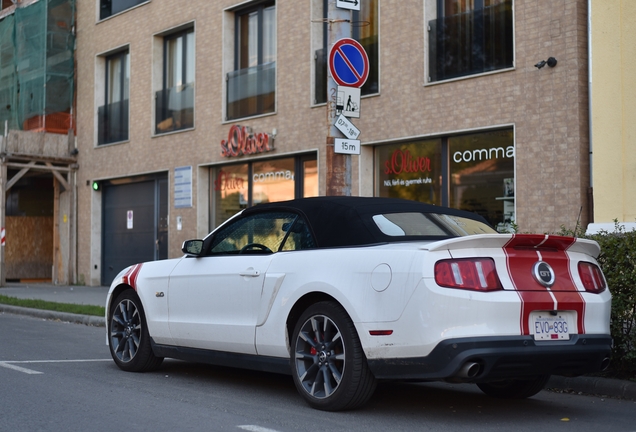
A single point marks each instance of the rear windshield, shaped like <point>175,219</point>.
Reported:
<point>429,224</point>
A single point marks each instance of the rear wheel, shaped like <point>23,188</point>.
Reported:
<point>128,337</point>
<point>515,388</point>
<point>329,367</point>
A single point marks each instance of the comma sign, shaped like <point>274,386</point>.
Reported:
<point>242,141</point>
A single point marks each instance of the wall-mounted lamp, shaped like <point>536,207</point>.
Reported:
<point>551,61</point>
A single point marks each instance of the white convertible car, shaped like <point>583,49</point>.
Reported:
<point>341,292</point>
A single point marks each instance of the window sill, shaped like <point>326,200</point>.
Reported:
<point>157,135</point>
<point>466,77</point>
<point>111,144</point>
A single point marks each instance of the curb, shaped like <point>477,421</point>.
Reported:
<point>606,387</point>
<point>53,315</point>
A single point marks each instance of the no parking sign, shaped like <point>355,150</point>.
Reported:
<point>348,63</point>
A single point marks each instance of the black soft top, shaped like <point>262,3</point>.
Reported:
<point>347,221</point>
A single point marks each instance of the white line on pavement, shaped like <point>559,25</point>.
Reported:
<point>56,361</point>
<point>253,428</point>
<point>18,368</point>
<point>10,364</point>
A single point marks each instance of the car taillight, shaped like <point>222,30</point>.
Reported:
<point>478,274</point>
<point>592,277</point>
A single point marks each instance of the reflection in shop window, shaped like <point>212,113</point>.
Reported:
<point>410,171</point>
<point>482,176</point>
<point>230,190</point>
<point>238,186</point>
<point>273,180</point>
<point>310,178</point>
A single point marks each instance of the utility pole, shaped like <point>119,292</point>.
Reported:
<point>338,165</point>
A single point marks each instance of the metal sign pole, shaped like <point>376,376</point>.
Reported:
<point>338,165</point>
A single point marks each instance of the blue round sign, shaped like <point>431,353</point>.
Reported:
<point>349,63</point>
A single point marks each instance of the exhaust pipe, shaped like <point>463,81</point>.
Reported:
<point>469,370</point>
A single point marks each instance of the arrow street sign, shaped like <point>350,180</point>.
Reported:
<point>347,128</point>
<point>347,146</point>
<point>348,4</point>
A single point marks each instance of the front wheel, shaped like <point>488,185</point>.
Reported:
<point>329,367</point>
<point>514,388</point>
<point>128,337</point>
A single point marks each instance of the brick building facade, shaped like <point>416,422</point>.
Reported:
<point>456,111</point>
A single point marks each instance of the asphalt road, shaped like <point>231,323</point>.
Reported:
<point>56,376</point>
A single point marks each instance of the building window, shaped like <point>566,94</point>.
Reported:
<point>237,186</point>
<point>469,172</point>
<point>112,7</point>
<point>470,37</point>
<point>364,29</point>
<point>112,122</point>
<point>251,86</point>
<point>174,107</point>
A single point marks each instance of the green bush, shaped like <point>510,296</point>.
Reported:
<point>618,262</point>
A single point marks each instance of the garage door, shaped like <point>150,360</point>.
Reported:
<point>134,225</point>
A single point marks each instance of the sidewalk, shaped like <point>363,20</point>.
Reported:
<point>603,387</point>
<point>95,296</point>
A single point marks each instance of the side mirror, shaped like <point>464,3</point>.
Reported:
<point>192,247</point>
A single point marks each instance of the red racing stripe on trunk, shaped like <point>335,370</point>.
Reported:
<point>522,252</point>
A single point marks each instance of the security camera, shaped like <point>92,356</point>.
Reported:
<point>540,64</point>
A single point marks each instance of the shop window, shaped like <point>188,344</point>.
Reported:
<point>251,86</point>
<point>469,172</point>
<point>238,186</point>
<point>364,29</point>
<point>470,37</point>
<point>410,171</point>
<point>112,117</point>
<point>174,107</point>
<point>482,176</point>
<point>112,7</point>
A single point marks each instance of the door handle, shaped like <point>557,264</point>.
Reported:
<point>250,272</point>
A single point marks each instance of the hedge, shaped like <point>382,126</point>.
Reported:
<point>618,262</point>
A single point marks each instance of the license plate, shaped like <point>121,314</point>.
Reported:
<point>550,327</point>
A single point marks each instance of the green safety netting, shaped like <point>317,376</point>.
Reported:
<point>36,66</point>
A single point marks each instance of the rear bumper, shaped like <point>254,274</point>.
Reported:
<point>500,358</point>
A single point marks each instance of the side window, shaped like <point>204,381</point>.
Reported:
<point>262,234</point>
<point>299,236</point>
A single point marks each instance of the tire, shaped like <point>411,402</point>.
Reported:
<point>515,388</point>
<point>328,364</point>
<point>128,337</point>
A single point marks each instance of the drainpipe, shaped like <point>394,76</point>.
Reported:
<point>590,191</point>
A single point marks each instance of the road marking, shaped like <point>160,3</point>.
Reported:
<point>253,428</point>
<point>10,364</point>
<point>56,361</point>
<point>19,369</point>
